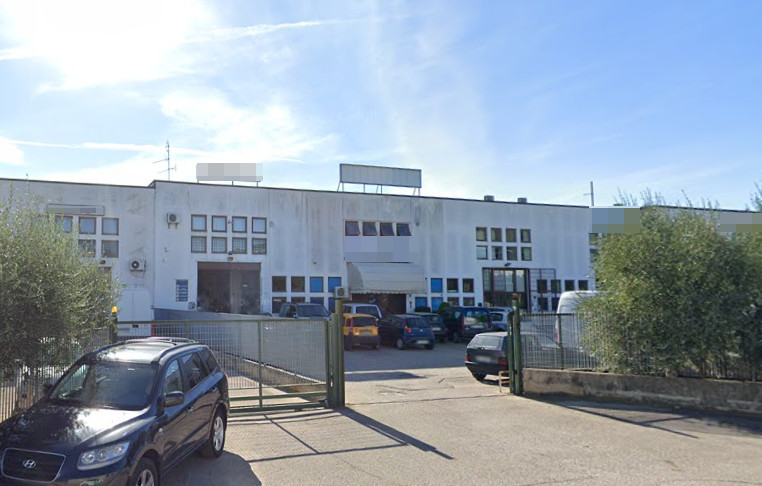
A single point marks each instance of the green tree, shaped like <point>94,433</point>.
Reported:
<point>675,294</point>
<point>52,296</point>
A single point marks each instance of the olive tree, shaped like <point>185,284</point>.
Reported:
<point>52,295</point>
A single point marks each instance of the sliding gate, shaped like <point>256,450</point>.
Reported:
<point>271,364</point>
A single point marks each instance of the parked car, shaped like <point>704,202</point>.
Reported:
<point>437,325</point>
<point>500,318</point>
<point>360,329</point>
<point>121,415</point>
<point>361,308</point>
<point>403,330</point>
<point>303,310</point>
<point>465,322</point>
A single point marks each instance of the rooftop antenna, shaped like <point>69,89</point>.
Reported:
<point>169,168</point>
<point>591,194</point>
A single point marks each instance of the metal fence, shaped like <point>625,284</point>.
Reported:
<point>22,384</point>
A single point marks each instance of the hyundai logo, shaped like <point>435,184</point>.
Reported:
<point>29,464</point>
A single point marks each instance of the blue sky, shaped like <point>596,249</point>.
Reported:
<point>515,99</point>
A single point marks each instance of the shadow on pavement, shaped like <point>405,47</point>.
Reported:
<point>379,375</point>
<point>229,470</point>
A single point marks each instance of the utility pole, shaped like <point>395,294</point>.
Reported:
<point>591,194</point>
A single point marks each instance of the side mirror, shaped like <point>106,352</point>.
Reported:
<point>174,398</point>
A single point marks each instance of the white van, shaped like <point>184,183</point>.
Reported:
<point>361,308</point>
<point>569,326</point>
<point>569,301</point>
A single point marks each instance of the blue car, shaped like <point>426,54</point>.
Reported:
<point>404,330</point>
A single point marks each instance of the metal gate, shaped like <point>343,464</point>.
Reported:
<point>271,364</point>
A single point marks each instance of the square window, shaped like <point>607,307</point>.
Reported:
<point>510,235</point>
<point>259,225</point>
<point>582,285</point>
<point>468,301</point>
<point>542,303</point>
<point>481,234</point>
<point>526,254</point>
<point>369,228</point>
<point>219,244</point>
<point>481,252</point>
<point>351,228</point>
<point>219,225</point>
<point>511,253</point>
<point>496,234</point>
<point>317,300</point>
<point>420,302</point>
<point>239,224</point>
<point>333,282</point>
<point>593,239</point>
<point>259,246</point>
<point>497,252</point>
<point>64,223</point>
<point>86,226</point>
<point>297,284</point>
<point>403,229</point>
<point>452,285</point>
<point>468,285</point>
<point>542,286</point>
<point>436,285</point>
<point>198,222</point>
<point>181,290</point>
<point>331,304</point>
<point>87,247</point>
<point>454,301</point>
<point>279,284</point>
<point>110,226</point>
<point>239,245</point>
<point>526,236</point>
<point>568,285</point>
<point>555,286</point>
<point>436,303</point>
<point>316,284</point>
<point>198,244</point>
<point>110,249</point>
<point>387,229</point>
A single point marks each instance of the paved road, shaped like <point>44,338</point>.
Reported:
<point>418,417</point>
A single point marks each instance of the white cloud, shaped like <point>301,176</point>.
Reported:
<point>10,154</point>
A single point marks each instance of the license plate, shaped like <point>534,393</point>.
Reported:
<point>436,328</point>
<point>484,359</point>
<point>421,341</point>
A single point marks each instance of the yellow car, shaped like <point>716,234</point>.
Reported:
<point>360,329</point>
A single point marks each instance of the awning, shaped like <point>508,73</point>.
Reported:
<point>385,278</point>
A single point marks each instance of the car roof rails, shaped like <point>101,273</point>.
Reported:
<point>162,339</point>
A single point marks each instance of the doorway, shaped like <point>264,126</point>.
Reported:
<point>232,288</point>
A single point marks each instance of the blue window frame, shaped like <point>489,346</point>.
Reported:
<point>317,300</point>
<point>331,304</point>
<point>316,284</point>
<point>333,282</point>
<point>436,285</point>
<point>420,302</point>
<point>435,303</point>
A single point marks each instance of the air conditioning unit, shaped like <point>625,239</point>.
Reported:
<point>138,265</point>
<point>191,305</point>
<point>340,292</point>
<point>103,263</point>
<point>173,218</point>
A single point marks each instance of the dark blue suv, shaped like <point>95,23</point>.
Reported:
<point>122,415</point>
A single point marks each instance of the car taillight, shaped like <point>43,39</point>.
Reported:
<point>468,357</point>
<point>408,330</point>
<point>502,362</point>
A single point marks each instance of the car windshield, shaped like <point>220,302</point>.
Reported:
<point>476,315</point>
<point>433,319</point>
<point>487,342</point>
<point>417,322</point>
<point>107,384</point>
<point>312,310</point>
<point>496,317</point>
<point>363,321</point>
<point>368,309</point>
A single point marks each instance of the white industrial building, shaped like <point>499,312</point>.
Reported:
<point>245,249</point>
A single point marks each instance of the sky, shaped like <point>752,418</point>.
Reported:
<point>530,99</point>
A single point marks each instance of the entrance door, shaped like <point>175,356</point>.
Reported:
<point>501,283</point>
<point>229,287</point>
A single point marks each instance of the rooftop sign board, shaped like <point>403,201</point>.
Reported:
<point>229,172</point>
<point>381,176</point>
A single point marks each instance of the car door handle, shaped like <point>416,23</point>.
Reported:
<point>189,409</point>
<point>213,389</point>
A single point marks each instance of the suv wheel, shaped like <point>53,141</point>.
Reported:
<point>456,337</point>
<point>145,474</point>
<point>212,448</point>
<point>400,343</point>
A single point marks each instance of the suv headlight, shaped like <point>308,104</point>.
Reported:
<point>103,456</point>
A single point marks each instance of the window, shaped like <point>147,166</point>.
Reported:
<point>258,246</point>
<point>468,301</point>
<point>568,285</point>
<point>452,284</point>
<point>331,304</point>
<point>593,254</point>
<point>333,282</point>
<point>317,300</point>
<point>497,252</point>
<point>455,301</point>
<point>593,238</point>
<point>86,226</point>
<point>181,290</point>
<point>481,252</point>
<point>279,285</point>
<point>198,222</point>
<point>219,225</point>
<point>511,253</point>
<point>239,224</point>
<point>542,286</point>
<point>110,249</point>
<point>297,284</point>
<point>219,244</point>
<point>297,300</point>
<point>403,229</point>
<point>387,229</point>
<point>194,368</point>
<point>64,223</point>
<point>87,247</point>
<point>316,284</point>
<point>496,234</point>
<point>468,285</point>
<point>526,236</point>
<point>198,244</point>
<point>369,228</point>
<point>526,254</point>
<point>351,228</point>
<point>436,285</point>
<point>173,380</point>
<point>110,226</point>
<point>542,303</point>
<point>582,285</point>
<point>420,302</point>
<point>481,234</point>
<point>239,245</point>
<point>436,303</point>
<point>555,286</point>
<point>259,225</point>
<point>510,235</point>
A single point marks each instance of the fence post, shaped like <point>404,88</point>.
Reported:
<point>336,356</point>
<point>560,344</point>
<point>517,381</point>
<point>259,360</point>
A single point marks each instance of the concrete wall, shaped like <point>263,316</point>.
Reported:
<point>701,394</point>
